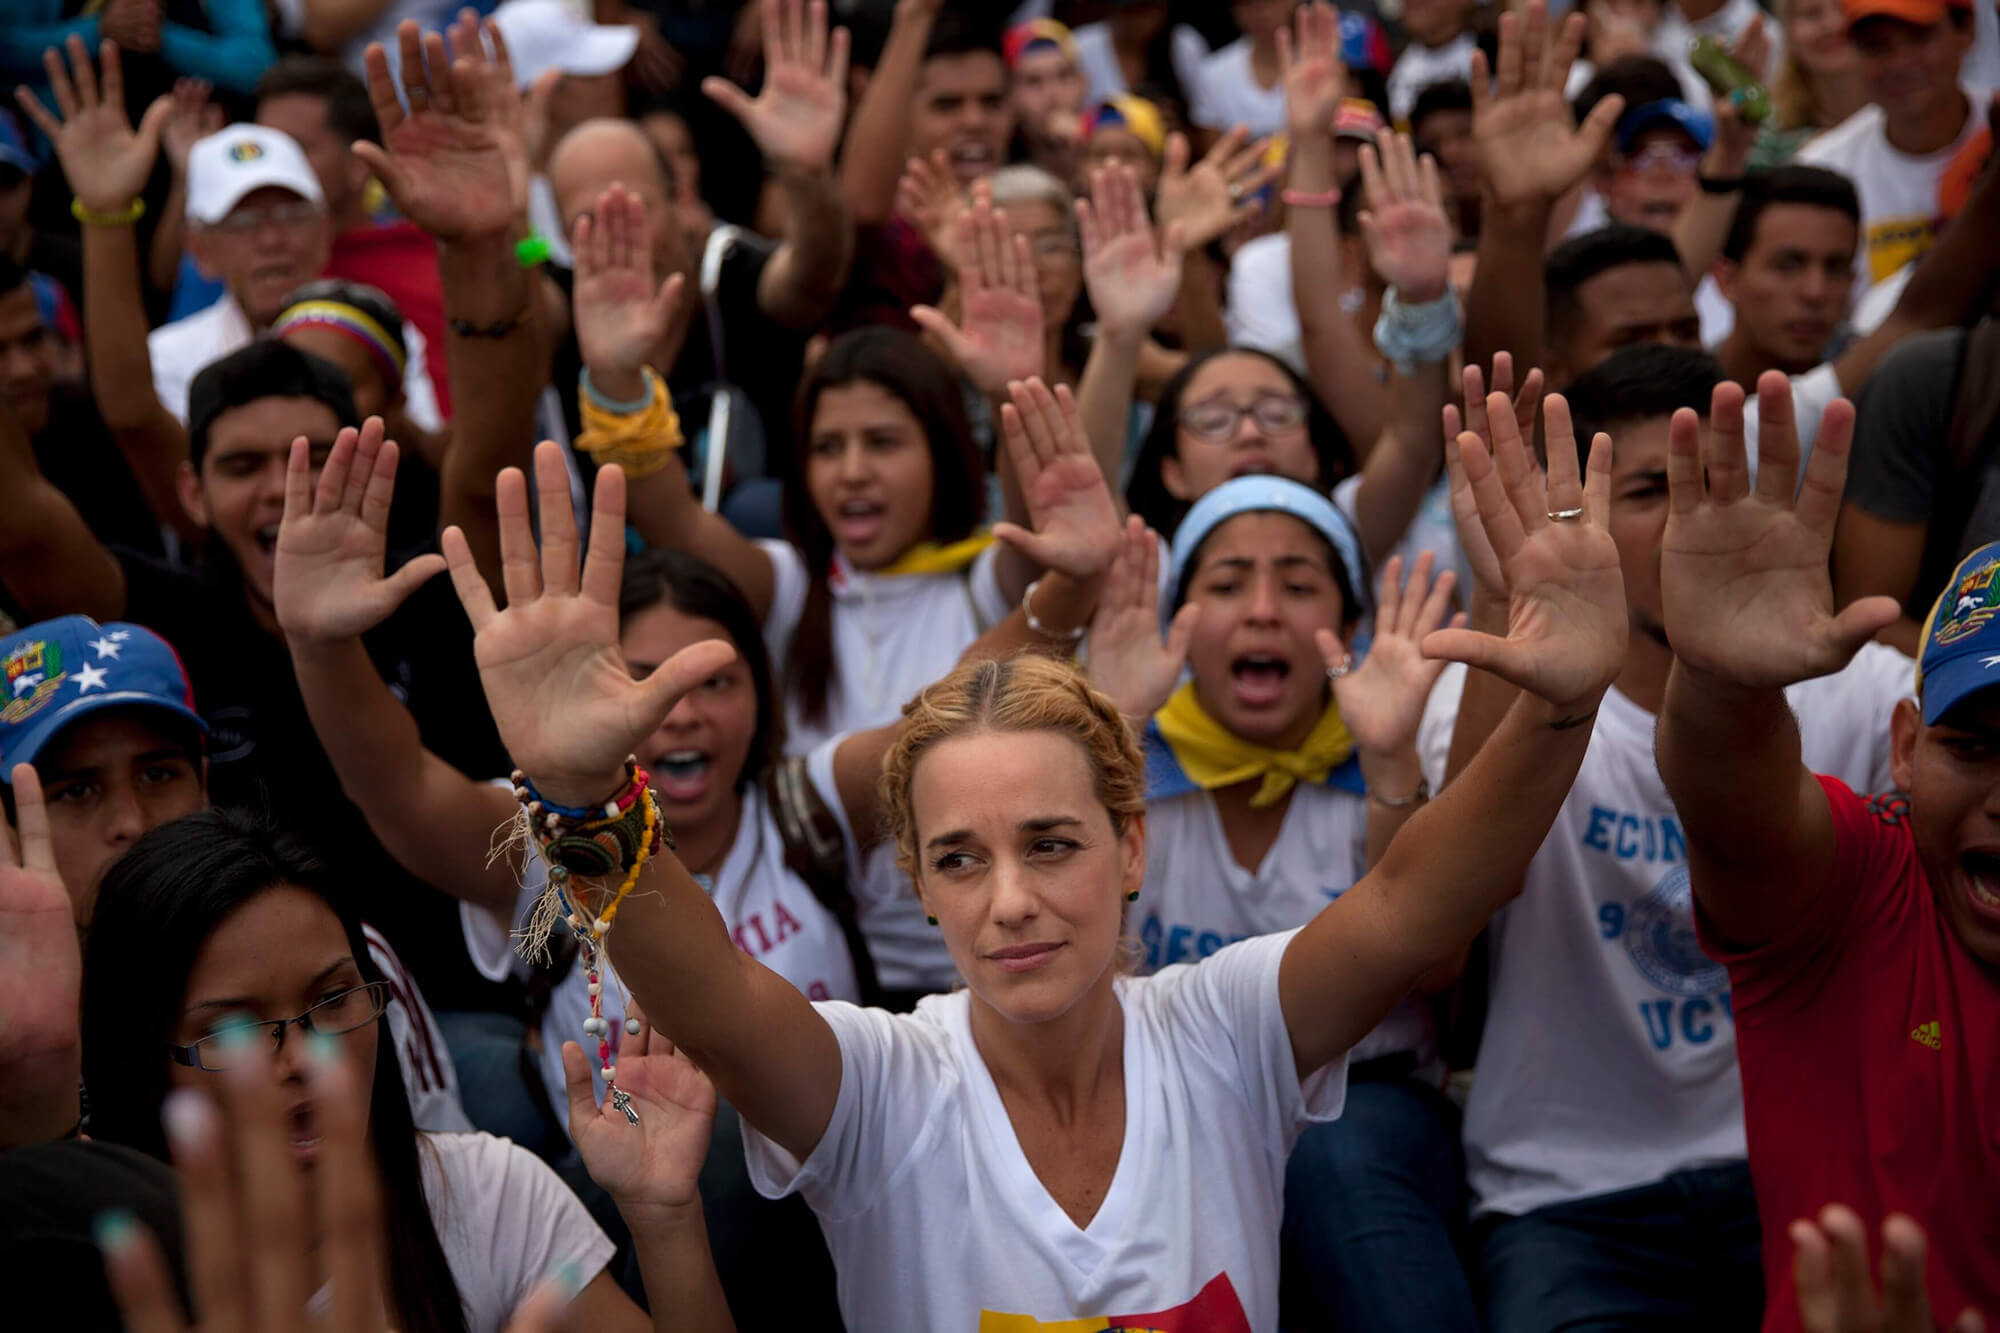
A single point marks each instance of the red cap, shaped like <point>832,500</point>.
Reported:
<point>1923,13</point>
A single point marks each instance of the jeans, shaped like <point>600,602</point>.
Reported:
<point>486,1051</point>
<point>1678,1254</point>
<point>1373,1206</point>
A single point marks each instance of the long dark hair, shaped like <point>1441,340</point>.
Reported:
<point>698,589</point>
<point>899,364</point>
<point>1146,494</point>
<point>156,907</point>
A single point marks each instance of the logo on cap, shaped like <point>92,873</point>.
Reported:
<point>1975,599</point>
<point>245,150</point>
<point>34,672</point>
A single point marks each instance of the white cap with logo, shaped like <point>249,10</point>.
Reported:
<point>550,34</point>
<point>229,164</point>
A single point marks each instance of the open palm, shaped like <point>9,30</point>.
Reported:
<point>797,116</point>
<point>443,161</point>
<point>1219,192</point>
<point>1129,659</point>
<point>620,314</point>
<point>1529,145</point>
<point>105,159</point>
<point>657,1162</point>
<point>999,337</point>
<point>1382,700</point>
<point>1131,269</point>
<point>1743,574</point>
<point>1405,226</point>
<point>1074,520</point>
<point>1313,75</point>
<point>41,967</point>
<point>331,543</point>
<point>567,709</point>
<point>1566,617</point>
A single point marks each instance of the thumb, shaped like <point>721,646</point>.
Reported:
<point>412,576</point>
<point>576,1080</point>
<point>383,167</point>
<point>155,120</point>
<point>1596,128</point>
<point>727,96</point>
<point>1180,634</point>
<point>1484,652</point>
<point>668,298</point>
<point>681,673</point>
<point>1033,545</point>
<point>1861,621</point>
<point>1175,160</point>
<point>933,322</point>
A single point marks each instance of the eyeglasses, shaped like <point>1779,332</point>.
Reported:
<point>1274,414</point>
<point>1663,157</point>
<point>1053,245</point>
<point>243,221</point>
<point>334,1016</point>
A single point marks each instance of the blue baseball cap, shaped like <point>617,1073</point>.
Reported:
<point>1961,644</point>
<point>1668,111</point>
<point>1263,494</point>
<point>58,671</point>
<point>14,145</point>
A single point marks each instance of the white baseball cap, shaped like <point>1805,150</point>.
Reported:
<point>232,162</point>
<point>548,34</point>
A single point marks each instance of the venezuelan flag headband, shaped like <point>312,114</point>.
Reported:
<point>1186,748</point>
<point>1134,114</point>
<point>355,323</point>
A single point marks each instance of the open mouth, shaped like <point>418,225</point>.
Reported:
<point>1982,876</point>
<point>682,775</point>
<point>972,158</point>
<point>1259,678</point>
<point>266,538</point>
<point>303,1138</point>
<point>858,522</point>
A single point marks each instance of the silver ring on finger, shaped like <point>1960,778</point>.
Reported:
<point>1565,515</point>
<point>1341,668</point>
<point>1235,192</point>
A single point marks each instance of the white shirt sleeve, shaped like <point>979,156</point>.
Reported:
<point>1225,1009</point>
<point>505,1221</point>
<point>419,393</point>
<point>894,1070</point>
<point>982,583</point>
<point>1439,721</point>
<point>788,598</point>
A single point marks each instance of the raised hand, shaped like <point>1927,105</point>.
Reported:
<point>1729,154</point>
<point>567,709</point>
<point>41,964</point>
<point>1131,270</point>
<point>928,194</point>
<point>1075,522</point>
<point>1836,1291</point>
<point>1566,619</point>
<point>1217,193</point>
<point>620,315</point>
<point>796,118</point>
<point>1530,147</point>
<point>656,1163</point>
<point>1405,226</point>
<point>104,158</point>
<point>193,117</point>
<point>1000,337</point>
<point>1128,658</point>
<point>1382,700</point>
<point>520,122</point>
<point>444,162</point>
<point>1489,584</point>
<point>328,583</point>
<point>1314,76</point>
<point>1744,585</point>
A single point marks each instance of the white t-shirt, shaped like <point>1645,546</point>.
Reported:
<point>1198,899</point>
<point>506,1221</point>
<point>429,1078</point>
<point>1676,34</point>
<point>936,1221</point>
<point>1103,75</point>
<point>1812,393</point>
<point>1609,1058</point>
<point>1431,529</point>
<point>1257,307</point>
<point>771,914</point>
<point>1898,192</point>
<point>1227,94</point>
<point>183,349</point>
<point>1421,66</point>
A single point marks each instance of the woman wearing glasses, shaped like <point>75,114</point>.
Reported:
<point>216,933</point>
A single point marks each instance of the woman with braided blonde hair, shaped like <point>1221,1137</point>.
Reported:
<point>1054,1140</point>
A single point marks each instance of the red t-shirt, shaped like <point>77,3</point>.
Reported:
<point>1869,1041</point>
<point>401,259</point>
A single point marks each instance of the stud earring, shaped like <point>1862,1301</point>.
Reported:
<point>931,919</point>
<point>1132,897</point>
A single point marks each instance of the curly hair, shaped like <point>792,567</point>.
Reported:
<point>1026,693</point>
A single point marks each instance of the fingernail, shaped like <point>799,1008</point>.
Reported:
<point>114,1229</point>
<point>188,1117</point>
<point>569,1279</point>
<point>322,1050</point>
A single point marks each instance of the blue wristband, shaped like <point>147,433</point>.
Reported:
<point>1414,335</point>
<point>612,404</point>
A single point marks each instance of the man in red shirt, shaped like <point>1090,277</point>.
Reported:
<point>325,107</point>
<point>1862,935</point>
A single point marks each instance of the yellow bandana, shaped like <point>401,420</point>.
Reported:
<point>640,441</point>
<point>1213,756</point>
<point>930,558</point>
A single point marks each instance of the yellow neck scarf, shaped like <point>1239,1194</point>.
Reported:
<point>1213,756</point>
<point>930,558</point>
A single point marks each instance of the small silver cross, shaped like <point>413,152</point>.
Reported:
<point>622,1100</point>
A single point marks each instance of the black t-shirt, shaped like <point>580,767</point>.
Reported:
<point>760,357</point>
<point>78,455</point>
<point>264,754</point>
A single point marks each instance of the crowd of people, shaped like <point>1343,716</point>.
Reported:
<point>932,666</point>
